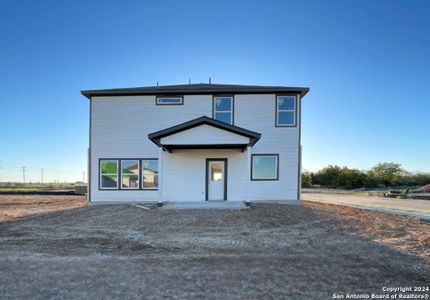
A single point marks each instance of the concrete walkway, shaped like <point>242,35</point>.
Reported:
<point>206,205</point>
<point>409,207</point>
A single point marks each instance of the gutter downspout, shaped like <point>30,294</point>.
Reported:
<point>248,171</point>
<point>160,177</point>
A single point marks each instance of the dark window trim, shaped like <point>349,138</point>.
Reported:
<point>295,109</point>
<point>141,174</point>
<point>119,188</point>
<point>265,154</point>
<point>232,105</point>
<point>225,160</point>
<point>169,96</point>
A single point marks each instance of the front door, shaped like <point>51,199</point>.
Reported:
<point>216,183</point>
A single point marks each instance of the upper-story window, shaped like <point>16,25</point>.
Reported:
<point>170,100</point>
<point>286,111</point>
<point>223,109</point>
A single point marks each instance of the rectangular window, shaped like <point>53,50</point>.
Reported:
<point>264,166</point>
<point>170,100</point>
<point>223,109</point>
<point>109,174</point>
<point>130,174</point>
<point>150,173</point>
<point>286,111</point>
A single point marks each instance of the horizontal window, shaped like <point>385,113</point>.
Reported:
<point>130,174</point>
<point>127,174</point>
<point>286,111</point>
<point>223,109</point>
<point>170,100</point>
<point>108,174</point>
<point>150,173</point>
<point>264,166</point>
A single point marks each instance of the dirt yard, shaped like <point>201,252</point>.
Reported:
<point>269,251</point>
<point>15,206</point>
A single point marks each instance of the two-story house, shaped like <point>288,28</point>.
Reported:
<point>195,143</point>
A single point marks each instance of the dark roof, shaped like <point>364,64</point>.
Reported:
<point>196,89</point>
<point>156,136</point>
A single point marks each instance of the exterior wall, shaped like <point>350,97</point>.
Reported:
<point>257,113</point>
<point>120,127</point>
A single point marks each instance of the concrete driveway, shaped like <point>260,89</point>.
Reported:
<point>419,208</point>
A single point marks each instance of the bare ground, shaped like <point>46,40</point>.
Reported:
<point>269,251</point>
<point>16,206</point>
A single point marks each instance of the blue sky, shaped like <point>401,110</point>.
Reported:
<point>367,64</point>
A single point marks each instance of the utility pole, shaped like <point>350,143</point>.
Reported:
<point>83,177</point>
<point>23,175</point>
<point>42,175</point>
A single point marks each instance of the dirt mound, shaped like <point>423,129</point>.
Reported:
<point>423,189</point>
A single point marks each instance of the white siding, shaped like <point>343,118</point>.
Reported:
<point>120,128</point>
<point>257,113</point>
<point>204,134</point>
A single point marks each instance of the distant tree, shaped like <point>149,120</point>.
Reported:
<point>387,174</point>
<point>307,179</point>
<point>327,177</point>
<point>352,178</point>
<point>414,179</point>
<point>382,174</point>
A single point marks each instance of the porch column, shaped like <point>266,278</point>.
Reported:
<point>248,174</point>
<point>160,177</point>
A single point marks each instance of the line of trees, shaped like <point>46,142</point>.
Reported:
<point>382,175</point>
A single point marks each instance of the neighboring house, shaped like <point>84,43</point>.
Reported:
<point>195,143</point>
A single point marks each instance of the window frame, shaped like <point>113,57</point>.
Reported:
<point>129,174</point>
<point>118,183</point>
<point>214,111</point>
<point>265,154</point>
<point>120,173</point>
<point>157,98</point>
<point>277,110</point>
<point>142,177</point>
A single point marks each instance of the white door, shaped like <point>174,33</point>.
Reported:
<point>216,180</point>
